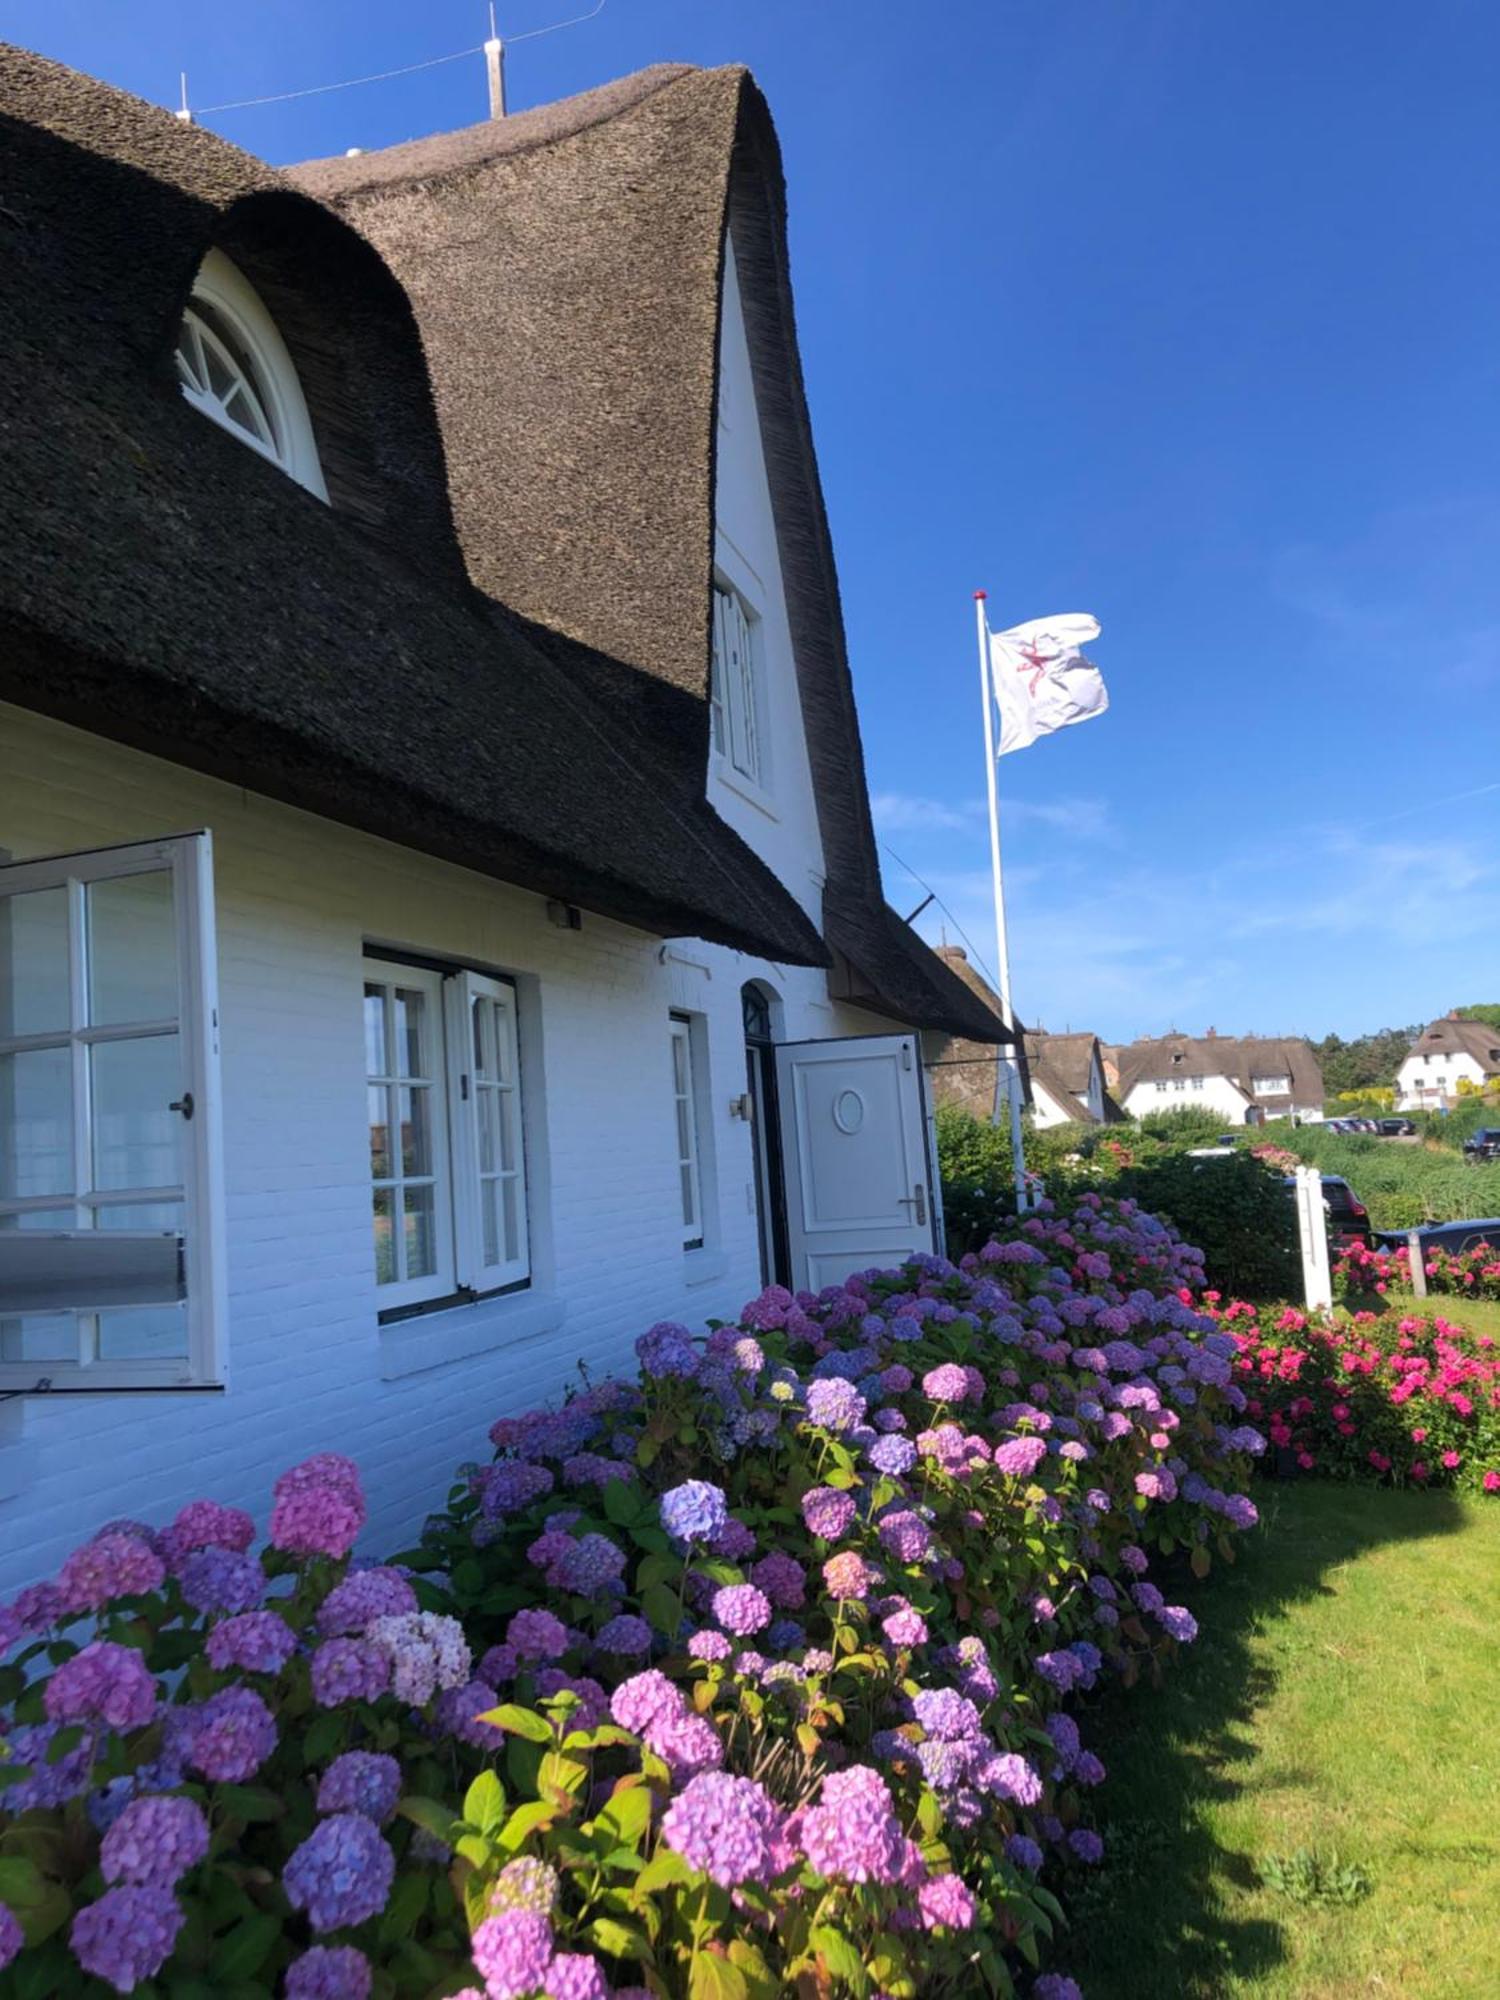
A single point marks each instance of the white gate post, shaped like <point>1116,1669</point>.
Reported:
<point>1312,1227</point>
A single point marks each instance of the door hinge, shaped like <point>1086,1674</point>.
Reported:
<point>906,1055</point>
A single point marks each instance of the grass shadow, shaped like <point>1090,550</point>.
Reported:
<point>1163,1918</point>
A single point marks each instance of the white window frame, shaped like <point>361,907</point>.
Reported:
<point>736,689</point>
<point>686,1114</point>
<point>233,306</point>
<point>189,860</point>
<point>459,1176</point>
<point>1270,1086</point>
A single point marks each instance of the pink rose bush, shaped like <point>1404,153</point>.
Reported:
<point>1416,1402</point>
<point>762,1662</point>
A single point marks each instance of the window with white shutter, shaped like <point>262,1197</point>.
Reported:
<point>447,1156</point>
<point>735,690</point>
<point>111,1208</point>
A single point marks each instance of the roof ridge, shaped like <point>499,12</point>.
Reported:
<point>345,176</point>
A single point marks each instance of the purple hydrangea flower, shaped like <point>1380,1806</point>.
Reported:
<point>724,1826</point>
<point>573,1975</point>
<point>1178,1622</point>
<point>946,1384</point>
<point>363,1595</point>
<point>257,1641</point>
<point>893,1455</point>
<point>348,1670</point>
<point>1019,1457</point>
<point>947,1715</point>
<point>1024,1852</point>
<point>1086,1844</point>
<point>1008,1776</point>
<point>110,1566</point>
<point>945,1900</point>
<point>834,1405</point>
<point>235,1734</point>
<point>128,1935</point>
<point>341,1874</point>
<point>458,1711</point>
<point>329,1972</point>
<point>537,1635</point>
<point>667,1349</point>
<point>827,1512</point>
<point>624,1634</point>
<point>220,1580</point>
<point>105,1682</point>
<point>645,1699</point>
<point>361,1781</point>
<point>12,1937</point>
<point>852,1833</point>
<point>589,1565</point>
<point>694,1511</point>
<point>708,1645</point>
<point>506,1489</point>
<point>513,1951</point>
<point>154,1841</point>
<point>906,1535</point>
<point>742,1609</point>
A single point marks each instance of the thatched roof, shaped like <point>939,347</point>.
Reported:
<point>494,643</point>
<point>162,585</point>
<point>565,266</point>
<point>1240,1058</point>
<point>1458,1036</point>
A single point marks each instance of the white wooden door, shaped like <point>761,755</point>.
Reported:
<point>853,1129</point>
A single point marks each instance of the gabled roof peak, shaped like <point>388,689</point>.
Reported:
<point>442,153</point>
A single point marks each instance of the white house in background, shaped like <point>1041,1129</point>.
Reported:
<point>1242,1079</point>
<point>1446,1053</point>
<point>440,929</point>
<point>1067,1079</point>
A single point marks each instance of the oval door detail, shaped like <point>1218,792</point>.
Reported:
<point>849,1111</point>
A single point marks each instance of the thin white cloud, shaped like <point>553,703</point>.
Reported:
<point>902,812</point>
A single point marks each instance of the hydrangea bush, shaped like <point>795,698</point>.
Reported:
<point>1417,1404</point>
<point>749,1676</point>
<point>1473,1273</point>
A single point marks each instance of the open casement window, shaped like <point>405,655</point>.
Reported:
<point>734,692</point>
<point>685,1106</point>
<point>111,1224</point>
<point>447,1166</point>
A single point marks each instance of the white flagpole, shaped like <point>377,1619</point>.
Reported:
<point>1007,1072</point>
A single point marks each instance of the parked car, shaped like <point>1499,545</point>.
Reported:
<point>1396,1128</point>
<point>1483,1144</point>
<point>1454,1237</point>
<point>1348,1218</point>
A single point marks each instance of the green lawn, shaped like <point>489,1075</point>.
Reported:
<point>1478,1315</point>
<point>1342,1697</point>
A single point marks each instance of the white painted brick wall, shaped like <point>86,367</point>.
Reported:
<point>296,899</point>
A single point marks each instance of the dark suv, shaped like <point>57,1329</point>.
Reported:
<point>1348,1218</point>
<point>1483,1144</point>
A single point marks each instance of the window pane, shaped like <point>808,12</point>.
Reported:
<point>39,1337</point>
<point>132,949</point>
<point>421,1233</point>
<point>510,1137</point>
<point>489,1206</point>
<point>689,1196</point>
<point>411,1032</point>
<point>684,1130</point>
<point>34,962</point>
<point>137,1137</point>
<point>487,1114</point>
<point>375,1031</point>
<point>39,1218</point>
<point>680,1063</point>
<point>36,1122</point>
<point>510,1208</point>
<point>385,1240</point>
<point>416,1135</point>
<point>143,1333</point>
<point>165,1215</point>
<point>380,1132</point>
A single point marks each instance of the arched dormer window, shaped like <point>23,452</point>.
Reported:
<point>233,365</point>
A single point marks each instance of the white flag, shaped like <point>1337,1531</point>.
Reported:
<point>1042,680</point>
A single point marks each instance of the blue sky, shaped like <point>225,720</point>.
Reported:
<point>1181,312</point>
